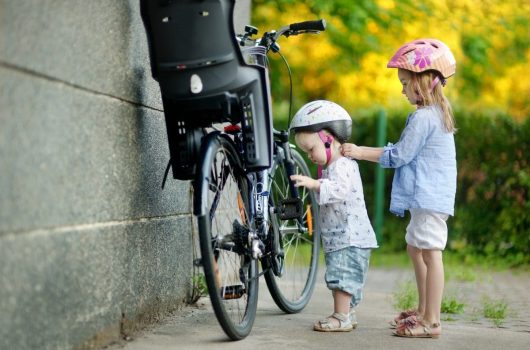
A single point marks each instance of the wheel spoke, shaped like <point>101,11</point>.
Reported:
<point>233,288</point>
<point>292,290</point>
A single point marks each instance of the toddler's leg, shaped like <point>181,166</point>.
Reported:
<point>339,321</point>
<point>341,301</point>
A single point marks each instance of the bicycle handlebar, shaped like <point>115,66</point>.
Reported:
<point>269,38</point>
<point>301,27</point>
<point>318,25</point>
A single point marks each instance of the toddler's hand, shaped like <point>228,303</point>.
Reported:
<point>351,150</point>
<point>305,181</point>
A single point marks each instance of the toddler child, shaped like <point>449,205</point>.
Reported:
<point>320,128</point>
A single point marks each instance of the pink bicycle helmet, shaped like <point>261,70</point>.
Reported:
<point>425,54</point>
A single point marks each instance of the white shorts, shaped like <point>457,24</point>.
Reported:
<point>427,229</point>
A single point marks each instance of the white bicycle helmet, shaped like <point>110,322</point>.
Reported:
<point>321,114</point>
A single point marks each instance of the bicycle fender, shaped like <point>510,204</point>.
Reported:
<point>202,180</point>
<point>200,185</point>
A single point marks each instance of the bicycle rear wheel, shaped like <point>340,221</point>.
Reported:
<point>300,242</point>
<point>230,272</point>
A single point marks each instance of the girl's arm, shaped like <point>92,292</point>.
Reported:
<point>371,154</point>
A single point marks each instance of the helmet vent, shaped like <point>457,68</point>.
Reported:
<point>314,109</point>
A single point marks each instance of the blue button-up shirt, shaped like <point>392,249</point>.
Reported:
<point>425,162</point>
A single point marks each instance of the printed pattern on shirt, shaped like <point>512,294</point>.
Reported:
<point>344,220</point>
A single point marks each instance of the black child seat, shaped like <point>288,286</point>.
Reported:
<point>204,79</point>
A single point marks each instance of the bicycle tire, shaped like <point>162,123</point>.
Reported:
<point>292,291</point>
<point>230,272</point>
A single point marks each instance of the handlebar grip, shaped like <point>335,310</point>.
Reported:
<point>318,25</point>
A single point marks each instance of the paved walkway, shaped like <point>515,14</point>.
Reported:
<point>195,327</point>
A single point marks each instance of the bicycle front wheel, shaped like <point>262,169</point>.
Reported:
<point>230,272</point>
<point>300,241</point>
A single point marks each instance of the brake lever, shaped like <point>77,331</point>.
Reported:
<point>298,32</point>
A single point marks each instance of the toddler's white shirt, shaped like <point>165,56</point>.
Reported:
<point>344,220</point>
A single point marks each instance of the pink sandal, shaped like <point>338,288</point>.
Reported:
<point>402,315</point>
<point>413,327</point>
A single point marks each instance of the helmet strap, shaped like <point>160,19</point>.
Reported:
<point>437,80</point>
<point>327,140</point>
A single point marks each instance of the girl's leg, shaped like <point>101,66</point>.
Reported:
<point>434,284</point>
<point>420,271</point>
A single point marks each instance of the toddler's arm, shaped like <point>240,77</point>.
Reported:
<point>305,181</point>
<point>361,152</point>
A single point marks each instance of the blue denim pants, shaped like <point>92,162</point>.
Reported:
<point>346,271</point>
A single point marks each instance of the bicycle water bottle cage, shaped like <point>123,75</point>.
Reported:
<point>203,77</point>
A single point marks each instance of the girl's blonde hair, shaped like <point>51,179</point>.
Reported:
<point>421,85</point>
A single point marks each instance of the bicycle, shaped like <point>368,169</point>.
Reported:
<point>247,209</point>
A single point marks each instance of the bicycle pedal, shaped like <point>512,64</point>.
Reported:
<point>290,208</point>
<point>232,292</point>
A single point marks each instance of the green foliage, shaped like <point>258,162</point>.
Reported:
<point>355,17</point>
<point>347,62</point>
<point>199,288</point>
<point>495,310</point>
<point>450,305</point>
<point>492,203</point>
<point>459,272</point>
<point>406,296</point>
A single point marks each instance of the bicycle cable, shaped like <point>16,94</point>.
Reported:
<point>290,87</point>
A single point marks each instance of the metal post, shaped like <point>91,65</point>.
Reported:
<point>380,178</point>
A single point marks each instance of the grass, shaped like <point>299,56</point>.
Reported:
<point>381,258</point>
<point>458,267</point>
<point>460,273</point>
<point>199,288</point>
<point>495,310</point>
<point>450,305</point>
<point>405,297</point>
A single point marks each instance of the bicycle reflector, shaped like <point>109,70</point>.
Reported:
<point>232,292</point>
<point>309,218</point>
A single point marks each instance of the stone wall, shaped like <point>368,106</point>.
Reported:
<point>91,247</point>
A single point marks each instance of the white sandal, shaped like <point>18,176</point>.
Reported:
<point>326,325</point>
<point>353,317</point>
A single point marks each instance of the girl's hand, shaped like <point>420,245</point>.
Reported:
<point>305,181</point>
<point>351,150</point>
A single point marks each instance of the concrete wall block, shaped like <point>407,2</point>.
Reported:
<point>72,157</point>
<point>99,45</point>
<point>61,288</point>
